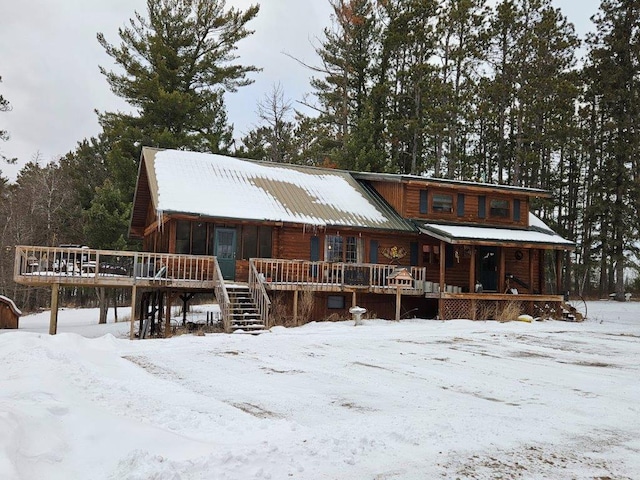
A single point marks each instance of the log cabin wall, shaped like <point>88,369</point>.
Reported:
<point>465,205</point>
<point>517,263</point>
<point>393,193</point>
<point>294,243</point>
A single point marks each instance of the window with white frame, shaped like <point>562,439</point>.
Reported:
<point>334,248</point>
<point>343,249</point>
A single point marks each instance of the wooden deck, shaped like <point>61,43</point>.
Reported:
<point>108,268</point>
<point>334,277</point>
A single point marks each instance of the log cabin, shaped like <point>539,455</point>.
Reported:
<point>338,235</point>
<point>277,241</point>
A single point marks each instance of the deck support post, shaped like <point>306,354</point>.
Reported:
<point>134,291</point>
<point>53,321</point>
<point>295,306</point>
<point>167,315</point>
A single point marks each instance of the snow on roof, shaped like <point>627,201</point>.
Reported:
<point>539,234</point>
<point>11,304</point>
<point>221,186</point>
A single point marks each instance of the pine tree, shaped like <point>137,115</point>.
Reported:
<point>612,74</point>
<point>5,106</point>
<point>343,85</point>
<point>177,62</point>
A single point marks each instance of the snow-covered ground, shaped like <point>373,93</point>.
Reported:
<point>411,400</point>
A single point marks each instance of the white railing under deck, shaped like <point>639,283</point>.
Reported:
<point>91,267</point>
<point>331,276</point>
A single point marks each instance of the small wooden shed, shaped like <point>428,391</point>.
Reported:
<point>9,313</point>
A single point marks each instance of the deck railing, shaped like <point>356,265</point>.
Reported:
<point>65,265</point>
<point>259,293</point>
<point>332,275</point>
<point>222,296</point>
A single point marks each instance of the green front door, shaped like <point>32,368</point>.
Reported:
<point>225,251</point>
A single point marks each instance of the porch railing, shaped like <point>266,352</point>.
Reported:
<point>259,294</point>
<point>331,275</point>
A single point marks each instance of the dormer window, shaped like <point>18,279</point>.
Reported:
<point>499,208</point>
<point>442,203</point>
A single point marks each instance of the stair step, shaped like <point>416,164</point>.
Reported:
<point>257,326</point>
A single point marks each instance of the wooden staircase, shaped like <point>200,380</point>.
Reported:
<point>243,313</point>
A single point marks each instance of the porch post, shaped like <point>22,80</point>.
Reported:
<point>295,306</point>
<point>442,265</point>
<point>53,321</point>
<point>134,291</point>
<point>541,279</point>
<point>501,269</point>
<point>531,279</point>
<point>558,272</point>
<point>472,270</point>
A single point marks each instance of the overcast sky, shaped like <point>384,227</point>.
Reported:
<point>49,59</point>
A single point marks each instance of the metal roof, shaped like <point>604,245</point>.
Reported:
<point>211,185</point>
<point>538,234</point>
<point>392,177</point>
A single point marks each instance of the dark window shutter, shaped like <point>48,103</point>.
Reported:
<point>448,259</point>
<point>482,206</point>
<point>516,210</point>
<point>461,205</point>
<point>423,201</point>
<point>373,251</point>
<point>414,254</point>
<point>315,249</point>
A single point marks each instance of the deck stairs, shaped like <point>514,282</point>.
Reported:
<point>243,313</point>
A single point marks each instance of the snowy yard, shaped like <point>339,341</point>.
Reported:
<point>411,400</point>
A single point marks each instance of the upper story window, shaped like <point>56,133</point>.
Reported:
<point>499,208</point>
<point>442,203</point>
<point>343,249</point>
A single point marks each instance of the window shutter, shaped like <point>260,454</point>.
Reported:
<point>516,209</point>
<point>461,205</point>
<point>373,251</point>
<point>482,206</point>
<point>315,249</point>
<point>413,253</point>
<point>423,201</point>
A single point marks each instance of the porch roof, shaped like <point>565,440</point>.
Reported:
<point>537,235</point>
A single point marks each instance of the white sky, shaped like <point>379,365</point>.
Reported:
<point>49,59</point>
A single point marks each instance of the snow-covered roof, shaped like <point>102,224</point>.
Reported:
<point>538,233</point>
<point>11,304</point>
<point>219,186</point>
